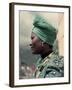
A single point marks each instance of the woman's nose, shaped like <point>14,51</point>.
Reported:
<point>30,44</point>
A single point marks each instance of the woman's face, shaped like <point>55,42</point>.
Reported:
<point>36,44</point>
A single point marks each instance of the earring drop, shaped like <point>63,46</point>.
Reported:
<point>42,43</point>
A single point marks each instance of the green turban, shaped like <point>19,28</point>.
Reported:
<point>45,31</point>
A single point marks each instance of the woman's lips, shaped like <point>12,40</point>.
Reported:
<point>31,46</point>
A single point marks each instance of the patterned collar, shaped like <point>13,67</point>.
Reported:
<point>43,61</point>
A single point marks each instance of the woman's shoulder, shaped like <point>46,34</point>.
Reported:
<point>56,60</point>
<point>55,66</point>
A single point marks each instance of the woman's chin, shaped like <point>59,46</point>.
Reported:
<point>33,52</point>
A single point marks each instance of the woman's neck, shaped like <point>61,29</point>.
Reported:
<point>43,55</point>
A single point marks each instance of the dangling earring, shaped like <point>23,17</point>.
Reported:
<point>42,43</point>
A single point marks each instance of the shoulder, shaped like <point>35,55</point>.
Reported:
<point>55,66</point>
<point>56,60</point>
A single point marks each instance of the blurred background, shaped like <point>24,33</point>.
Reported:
<point>26,59</point>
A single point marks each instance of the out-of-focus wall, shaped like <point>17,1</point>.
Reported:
<point>60,35</point>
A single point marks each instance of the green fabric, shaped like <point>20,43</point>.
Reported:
<point>50,66</point>
<point>44,30</point>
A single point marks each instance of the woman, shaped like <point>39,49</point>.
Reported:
<point>43,37</point>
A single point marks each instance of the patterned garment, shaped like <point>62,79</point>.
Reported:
<point>50,66</point>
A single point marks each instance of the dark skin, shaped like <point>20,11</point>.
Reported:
<point>39,47</point>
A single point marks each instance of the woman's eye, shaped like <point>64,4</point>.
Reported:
<point>32,37</point>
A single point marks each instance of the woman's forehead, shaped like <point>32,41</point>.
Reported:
<point>33,35</point>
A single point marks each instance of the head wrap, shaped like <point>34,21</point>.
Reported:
<point>45,31</point>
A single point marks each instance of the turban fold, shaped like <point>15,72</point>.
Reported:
<point>45,31</point>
